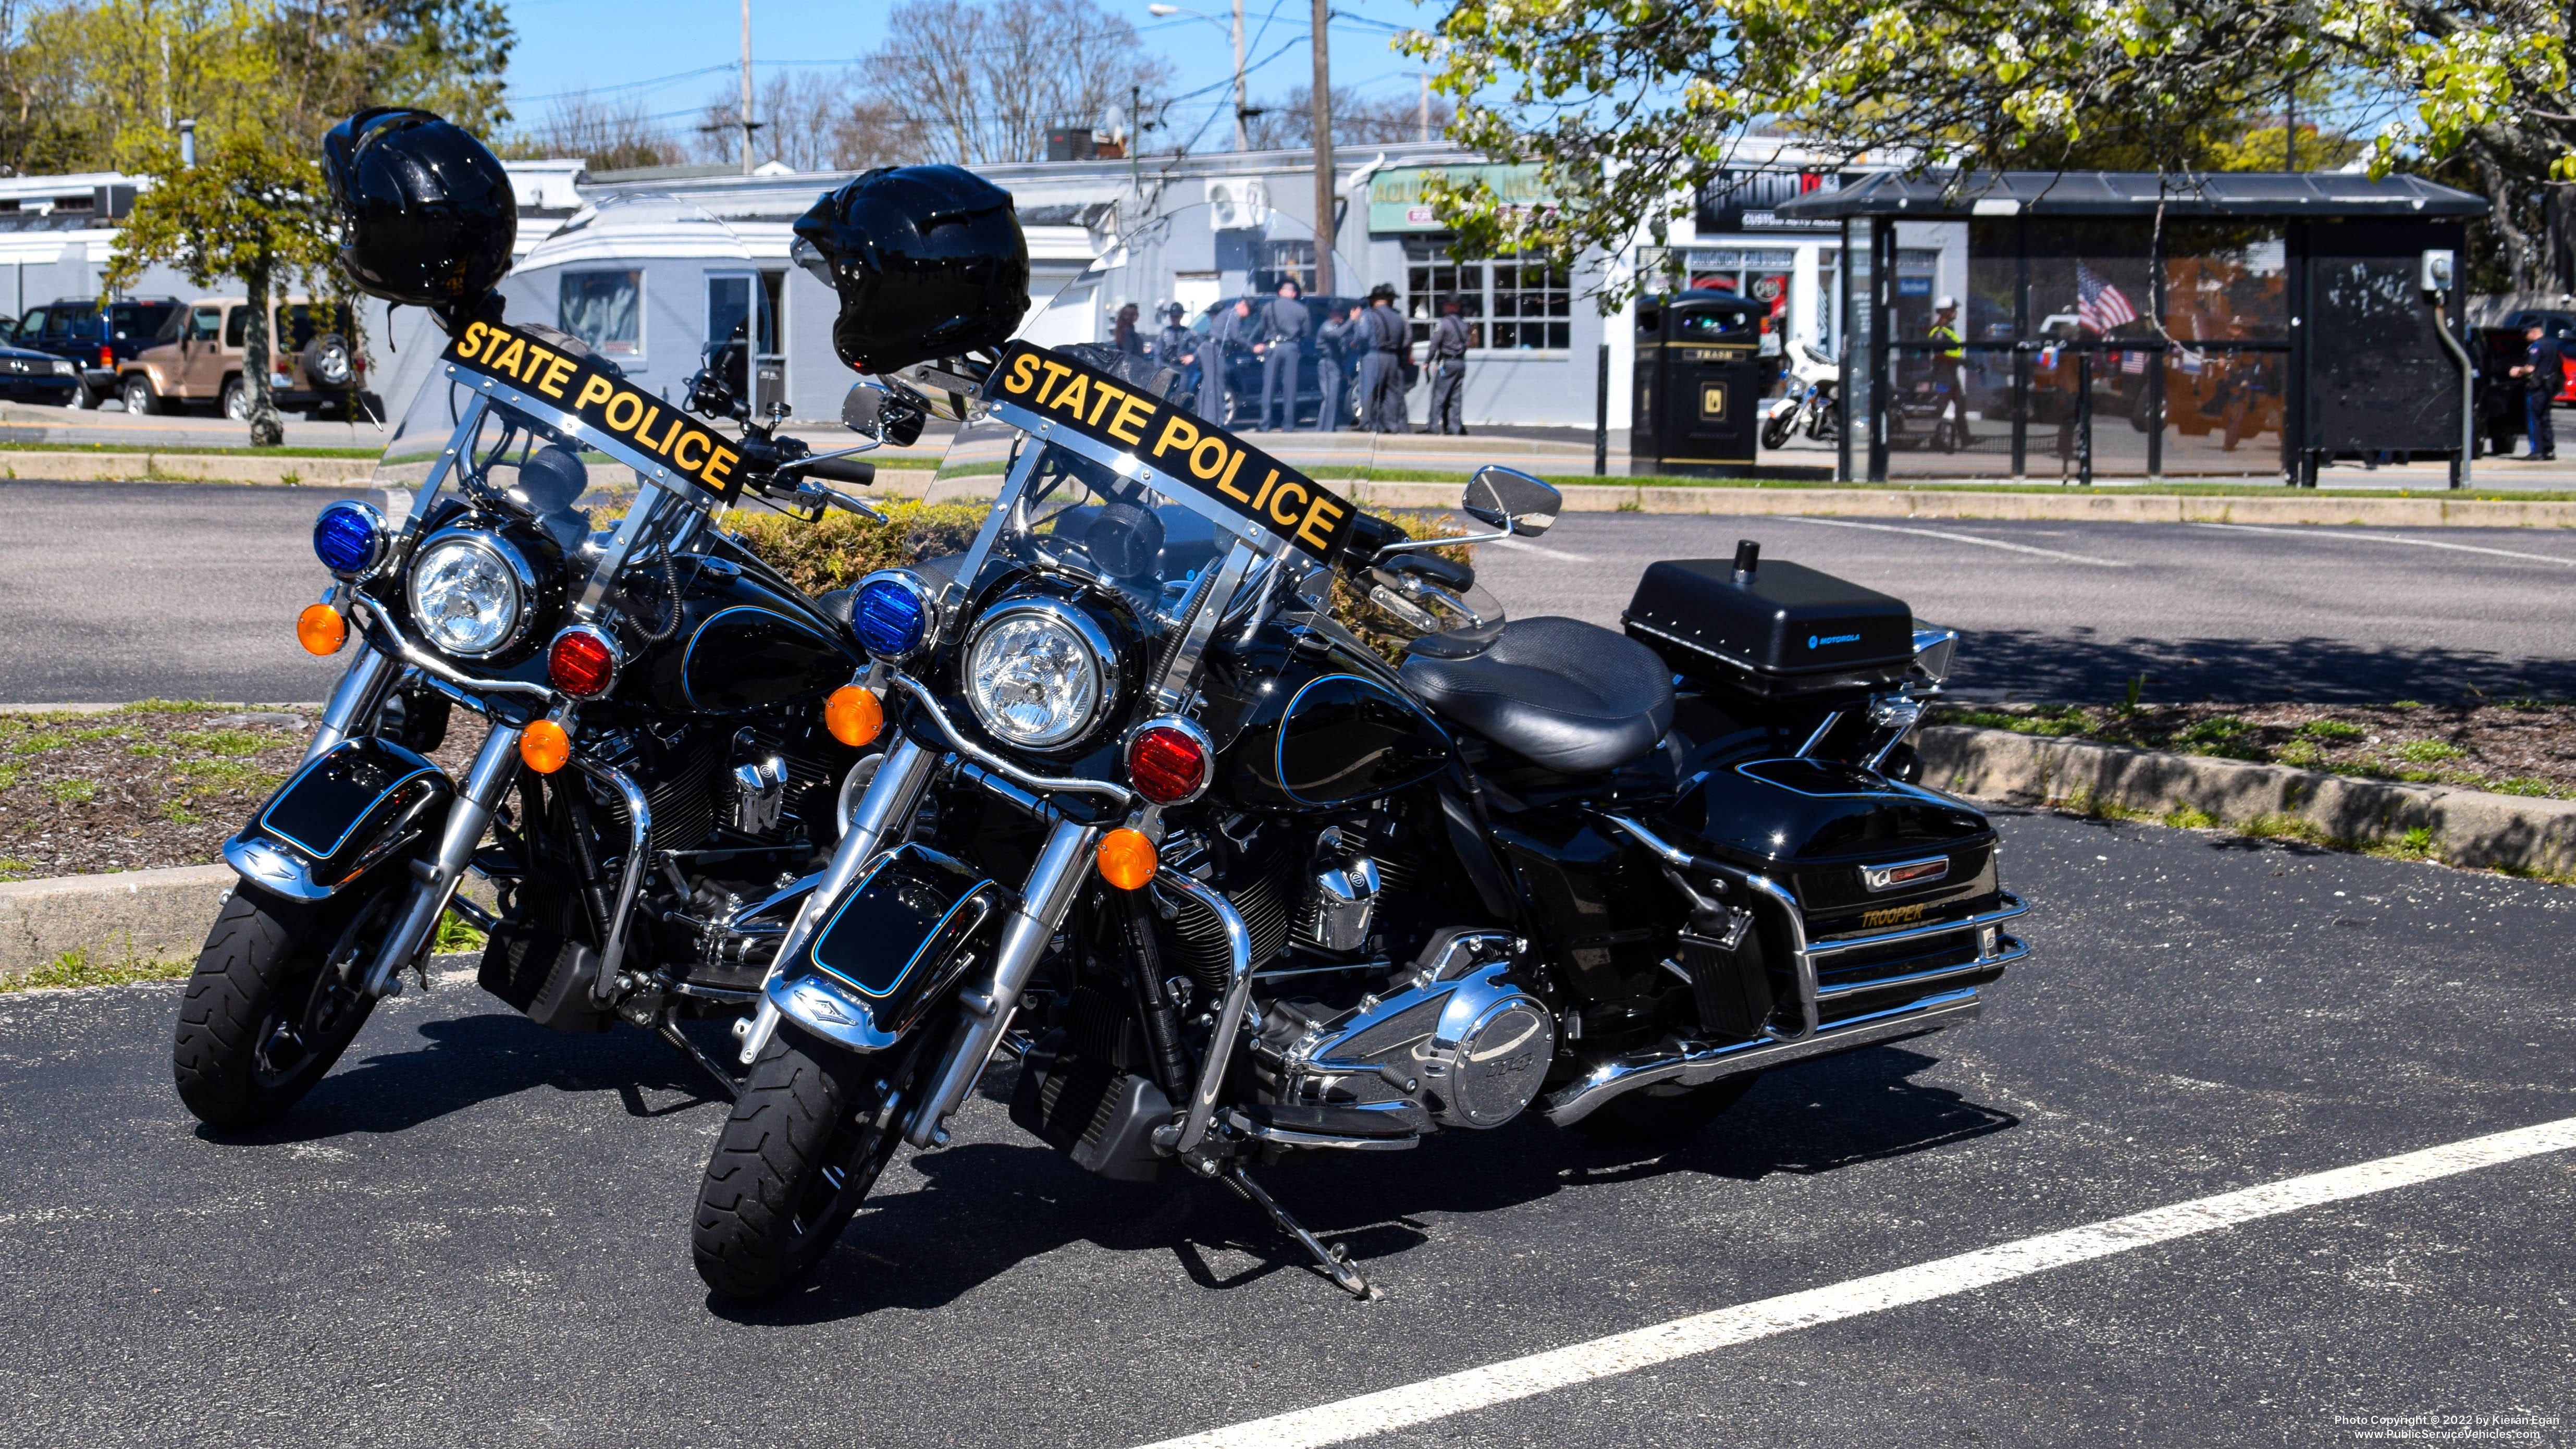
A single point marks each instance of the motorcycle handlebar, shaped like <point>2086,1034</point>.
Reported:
<point>857,471</point>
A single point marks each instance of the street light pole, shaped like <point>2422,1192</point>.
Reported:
<point>1323,154</point>
<point>746,87</point>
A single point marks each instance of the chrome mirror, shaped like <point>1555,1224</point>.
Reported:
<point>881,412</point>
<point>1508,498</point>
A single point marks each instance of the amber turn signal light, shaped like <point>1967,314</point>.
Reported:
<point>1126,859</point>
<point>545,747</point>
<point>321,630</point>
<point>854,715</point>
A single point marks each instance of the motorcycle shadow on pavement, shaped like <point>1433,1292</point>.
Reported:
<point>987,1207</point>
<point>2081,665</point>
<point>464,1061</point>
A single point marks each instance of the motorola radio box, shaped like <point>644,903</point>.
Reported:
<point>1775,630</point>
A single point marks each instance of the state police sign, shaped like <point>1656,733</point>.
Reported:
<point>1177,444</point>
<point>607,402</point>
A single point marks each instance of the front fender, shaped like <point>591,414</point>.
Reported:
<point>889,950</point>
<point>346,810</point>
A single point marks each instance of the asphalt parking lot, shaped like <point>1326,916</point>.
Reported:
<point>115,591</point>
<point>474,1232</point>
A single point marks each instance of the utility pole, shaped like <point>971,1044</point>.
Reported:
<point>1323,154</point>
<point>1242,139</point>
<point>746,87</point>
<point>2290,130</point>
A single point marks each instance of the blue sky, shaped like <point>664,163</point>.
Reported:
<point>649,47</point>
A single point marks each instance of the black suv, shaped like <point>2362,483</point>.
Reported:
<point>99,340</point>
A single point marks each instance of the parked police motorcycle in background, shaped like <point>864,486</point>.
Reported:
<point>657,784</point>
<point>1227,884</point>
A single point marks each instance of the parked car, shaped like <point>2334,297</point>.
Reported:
<point>198,360</point>
<point>29,376</point>
<point>97,341</point>
<point>1243,369</point>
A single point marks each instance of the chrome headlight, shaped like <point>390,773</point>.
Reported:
<point>1037,672</point>
<point>470,593</point>
<point>1933,649</point>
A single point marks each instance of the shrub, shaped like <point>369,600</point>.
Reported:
<point>841,548</point>
<point>2332,729</point>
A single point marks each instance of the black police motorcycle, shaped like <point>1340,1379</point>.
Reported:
<point>659,782</point>
<point>1227,884</point>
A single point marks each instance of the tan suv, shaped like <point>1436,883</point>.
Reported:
<point>198,359</point>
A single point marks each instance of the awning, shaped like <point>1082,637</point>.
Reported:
<point>1949,196</point>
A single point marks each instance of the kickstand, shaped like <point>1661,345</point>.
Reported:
<point>670,1032</point>
<point>1335,1262</point>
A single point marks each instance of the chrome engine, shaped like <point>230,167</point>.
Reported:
<point>1341,896</point>
<point>1455,1043</point>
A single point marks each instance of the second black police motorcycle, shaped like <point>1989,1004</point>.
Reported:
<point>1227,883</point>
<point>660,779</point>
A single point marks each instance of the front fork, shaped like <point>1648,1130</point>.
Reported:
<point>496,765</point>
<point>882,819</point>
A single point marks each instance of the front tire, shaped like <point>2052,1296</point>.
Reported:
<point>800,1153</point>
<point>1661,1113</point>
<point>1777,427</point>
<point>140,399</point>
<point>277,996</point>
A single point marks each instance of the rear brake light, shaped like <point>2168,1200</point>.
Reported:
<point>106,355</point>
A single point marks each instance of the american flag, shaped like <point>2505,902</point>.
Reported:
<point>2098,304</point>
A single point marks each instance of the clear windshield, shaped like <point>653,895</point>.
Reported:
<point>562,432</point>
<point>1155,466</point>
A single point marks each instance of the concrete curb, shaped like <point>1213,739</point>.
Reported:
<point>121,915</point>
<point>2069,506</point>
<point>2467,827</point>
<point>185,468</point>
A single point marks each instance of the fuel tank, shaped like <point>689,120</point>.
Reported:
<point>1307,717</point>
<point>747,640</point>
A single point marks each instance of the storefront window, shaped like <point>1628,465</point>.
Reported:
<point>605,309</point>
<point>1509,303</point>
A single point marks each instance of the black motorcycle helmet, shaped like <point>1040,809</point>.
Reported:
<point>928,261</point>
<point>427,214</point>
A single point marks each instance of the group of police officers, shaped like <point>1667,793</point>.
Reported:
<point>1372,341</point>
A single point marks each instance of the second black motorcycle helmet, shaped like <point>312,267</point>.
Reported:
<point>928,261</point>
<point>427,213</point>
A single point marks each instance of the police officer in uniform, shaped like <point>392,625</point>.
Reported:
<point>2543,373</point>
<point>1949,376</point>
<point>1177,347</point>
<point>1283,337</point>
<point>1216,358</point>
<point>1340,343</point>
<point>1382,372</point>
<point>1448,369</point>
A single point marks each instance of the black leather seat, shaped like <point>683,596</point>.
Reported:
<point>1571,696</point>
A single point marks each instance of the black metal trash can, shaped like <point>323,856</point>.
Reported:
<point>1701,379</point>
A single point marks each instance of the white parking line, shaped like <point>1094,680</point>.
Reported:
<point>2108,563</point>
<point>1539,1373</point>
<point>1519,547</point>
<point>2330,532</point>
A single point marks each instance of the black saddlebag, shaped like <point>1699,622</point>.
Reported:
<point>1782,632</point>
<point>1894,887</point>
